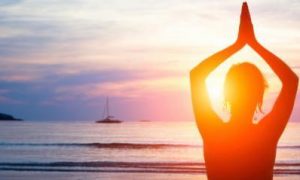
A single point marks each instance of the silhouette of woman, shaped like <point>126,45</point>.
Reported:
<point>240,149</point>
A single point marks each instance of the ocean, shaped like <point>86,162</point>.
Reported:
<point>130,150</point>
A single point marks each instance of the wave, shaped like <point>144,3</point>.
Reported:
<point>289,147</point>
<point>106,164</point>
<point>103,145</point>
<point>129,167</point>
<point>121,145</point>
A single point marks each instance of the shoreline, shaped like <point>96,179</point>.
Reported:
<point>13,175</point>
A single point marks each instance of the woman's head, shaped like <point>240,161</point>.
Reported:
<point>244,87</point>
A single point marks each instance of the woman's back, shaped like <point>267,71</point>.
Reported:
<point>242,154</point>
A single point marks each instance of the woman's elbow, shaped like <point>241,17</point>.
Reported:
<point>293,82</point>
<point>193,74</point>
<point>197,74</point>
<point>290,80</point>
<point>295,79</point>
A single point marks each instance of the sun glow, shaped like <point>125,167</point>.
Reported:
<point>214,85</point>
<point>215,89</point>
<point>215,81</point>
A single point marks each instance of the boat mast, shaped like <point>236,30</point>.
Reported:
<point>107,106</point>
<point>105,109</point>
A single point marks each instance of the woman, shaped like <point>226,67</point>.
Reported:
<point>240,149</point>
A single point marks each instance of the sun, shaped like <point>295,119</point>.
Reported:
<point>214,87</point>
<point>214,92</point>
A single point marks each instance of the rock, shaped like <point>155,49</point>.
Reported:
<point>7,117</point>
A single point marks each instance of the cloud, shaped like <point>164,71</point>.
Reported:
<point>4,99</point>
<point>128,89</point>
<point>6,3</point>
<point>295,67</point>
<point>79,51</point>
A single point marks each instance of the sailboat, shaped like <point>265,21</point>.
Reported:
<point>106,117</point>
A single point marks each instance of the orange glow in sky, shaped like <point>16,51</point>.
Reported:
<point>73,55</point>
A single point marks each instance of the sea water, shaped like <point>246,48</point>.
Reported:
<point>130,150</point>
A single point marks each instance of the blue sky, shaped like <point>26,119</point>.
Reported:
<point>60,59</point>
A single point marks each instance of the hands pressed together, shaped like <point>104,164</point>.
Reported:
<point>246,31</point>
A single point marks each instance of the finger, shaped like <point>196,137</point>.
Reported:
<point>245,15</point>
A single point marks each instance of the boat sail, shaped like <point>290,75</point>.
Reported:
<point>106,117</point>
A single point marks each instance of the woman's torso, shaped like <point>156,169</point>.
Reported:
<point>246,154</point>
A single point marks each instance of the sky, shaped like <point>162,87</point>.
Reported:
<point>60,59</point>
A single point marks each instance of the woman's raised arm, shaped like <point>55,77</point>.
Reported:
<point>277,119</point>
<point>206,118</point>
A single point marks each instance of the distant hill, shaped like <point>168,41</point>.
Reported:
<point>7,117</point>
